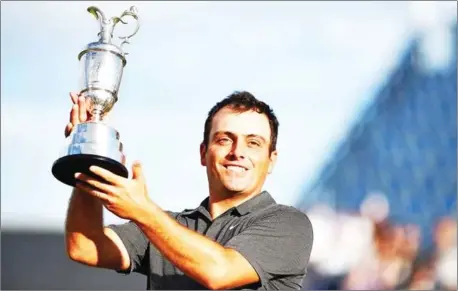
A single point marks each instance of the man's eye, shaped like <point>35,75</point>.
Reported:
<point>254,143</point>
<point>223,140</point>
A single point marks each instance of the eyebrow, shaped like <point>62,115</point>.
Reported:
<point>232,134</point>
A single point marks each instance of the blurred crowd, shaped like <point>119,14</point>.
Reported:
<point>367,251</point>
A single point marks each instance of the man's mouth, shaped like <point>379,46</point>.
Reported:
<point>236,169</point>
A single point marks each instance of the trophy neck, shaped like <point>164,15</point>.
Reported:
<point>106,33</point>
<point>96,116</point>
<point>105,37</point>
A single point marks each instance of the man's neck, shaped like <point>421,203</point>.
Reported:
<point>218,204</point>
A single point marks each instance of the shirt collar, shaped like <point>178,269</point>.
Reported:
<point>203,208</point>
<point>260,201</point>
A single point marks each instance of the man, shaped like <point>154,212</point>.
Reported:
<point>238,238</point>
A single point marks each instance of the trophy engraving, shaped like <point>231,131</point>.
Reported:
<point>94,142</point>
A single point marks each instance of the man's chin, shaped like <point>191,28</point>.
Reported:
<point>236,189</point>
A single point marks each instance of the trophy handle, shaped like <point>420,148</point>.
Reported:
<point>132,13</point>
<point>107,25</point>
<point>97,13</point>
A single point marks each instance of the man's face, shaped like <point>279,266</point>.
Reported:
<point>238,157</point>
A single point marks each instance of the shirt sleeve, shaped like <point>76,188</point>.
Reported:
<point>137,246</point>
<point>278,247</point>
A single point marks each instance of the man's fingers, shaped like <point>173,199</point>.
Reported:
<point>89,190</point>
<point>78,112</point>
<point>137,171</point>
<point>82,109</point>
<point>108,176</point>
<point>74,97</point>
<point>68,129</point>
<point>74,114</point>
<point>96,184</point>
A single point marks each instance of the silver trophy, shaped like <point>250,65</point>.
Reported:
<point>94,142</point>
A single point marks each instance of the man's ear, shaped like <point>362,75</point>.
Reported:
<point>273,161</point>
<point>203,151</point>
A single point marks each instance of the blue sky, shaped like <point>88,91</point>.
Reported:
<point>317,64</point>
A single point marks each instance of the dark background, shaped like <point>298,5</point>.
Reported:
<point>38,261</point>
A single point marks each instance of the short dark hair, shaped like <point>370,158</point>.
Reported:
<point>242,101</point>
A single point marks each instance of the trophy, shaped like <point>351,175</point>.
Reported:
<point>94,142</point>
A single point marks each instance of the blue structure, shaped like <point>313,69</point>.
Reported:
<point>403,146</point>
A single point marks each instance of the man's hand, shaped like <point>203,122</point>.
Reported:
<point>209,263</point>
<point>123,197</point>
<point>78,113</point>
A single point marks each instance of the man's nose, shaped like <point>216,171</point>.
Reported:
<point>238,150</point>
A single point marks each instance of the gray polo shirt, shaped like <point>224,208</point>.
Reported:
<point>275,239</point>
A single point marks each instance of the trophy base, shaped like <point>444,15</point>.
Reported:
<point>65,168</point>
<point>90,144</point>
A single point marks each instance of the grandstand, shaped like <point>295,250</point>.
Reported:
<point>403,145</point>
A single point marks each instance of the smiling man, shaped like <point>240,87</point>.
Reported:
<point>237,238</point>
